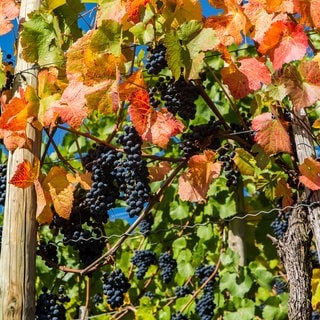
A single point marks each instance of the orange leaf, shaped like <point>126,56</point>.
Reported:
<point>134,82</point>
<point>271,134</point>
<point>194,184</point>
<point>315,12</point>
<point>158,172</point>
<point>26,174</point>
<point>44,213</point>
<point>84,179</point>
<point>8,11</point>
<point>133,8</point>
<point>284,42</point>
<point>283,190</point>
<point>310,174</point>
<point>61,191</point>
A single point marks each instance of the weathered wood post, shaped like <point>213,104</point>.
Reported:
<point>18,252</point>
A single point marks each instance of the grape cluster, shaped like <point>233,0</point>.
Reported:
<point>48,251</point>
<point>143,259</point>
<point>3,181</point>
<point>315,315</point>
<point>104,191</point>
<point>87,243</point>
<point>228,165</point>
<point>179,97</point>
<point>182,291</point>
<point>132,172</point>
<point>156,61</point>
<point>201,137</point>
<point>168,266</point>
<point>97,299</point>
<point>145,225</point>
<point>280,224</point>
<point>280,286</point>
<point>50,305</point>
<point>205,305</point>
<point>179,316</point>
<point>149,294</point>
<point>115,285</point>
<point>9,78</point>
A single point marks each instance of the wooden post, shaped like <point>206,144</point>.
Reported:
<point>18,251</point>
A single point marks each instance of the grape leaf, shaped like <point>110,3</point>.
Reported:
<point>107,38</point>
<point>302,84</point>
<point>246,78</point>
<point>127,87</point>
<point>112,10</point>
<point>44,213</point>
<point>41,40</point>
<point>133,8</point>
<point>310,174</point>
<point>71,108</point>
<point>25,174</point>
<point>158,171</point>
<point>284,42</point>
<point>271,134</point>
<point>60,190</point>
<point>284,191</point>
<point>229,27</point>
<point>173,54</point>
<point>153,126</point>
<point>9,10</point>
<point>50,5</point>
<point>194,184</point>
<point>315,12</point>
<point>315,287</point>
<point>14,118</point>
<point>245,162</point>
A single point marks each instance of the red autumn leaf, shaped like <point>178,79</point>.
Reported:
<point>158,171</point>
<point>133,7</point>
<point>247,78</point>
<point>284,42</point>
<point>310,174</point>
<point>8,11</point>
<point>194,184</point>
<point>25,174</point>
<point>152,125</point>
<point>271,134</point>
<point>71,108</point>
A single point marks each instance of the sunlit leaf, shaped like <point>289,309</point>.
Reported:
<point>245,162</point>
<point>130,85</point>
<point>310,174</point>
<point>41,40</point>
<point>315,285</point>
<point>44,213</point>
<point>25,174</point>
<point>247,78</point>
<point>194,184</point>
<point>271,134</point>
<point>284,191</point>
<point>154,126</point>
<point>284,42</point>
<point>133,8</point>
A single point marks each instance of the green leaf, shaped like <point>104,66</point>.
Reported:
<point>245,310</point>
<point>144,33</point>
<point>188,29</point>
<point>107,38</point>
<point>205,232</point>
<point>173,56</point>
<point>262,275</point>
<point>41,40</point>
<point>237,285</point>
<point>50,5</point>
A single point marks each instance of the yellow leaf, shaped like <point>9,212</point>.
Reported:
<point>315,285</point>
